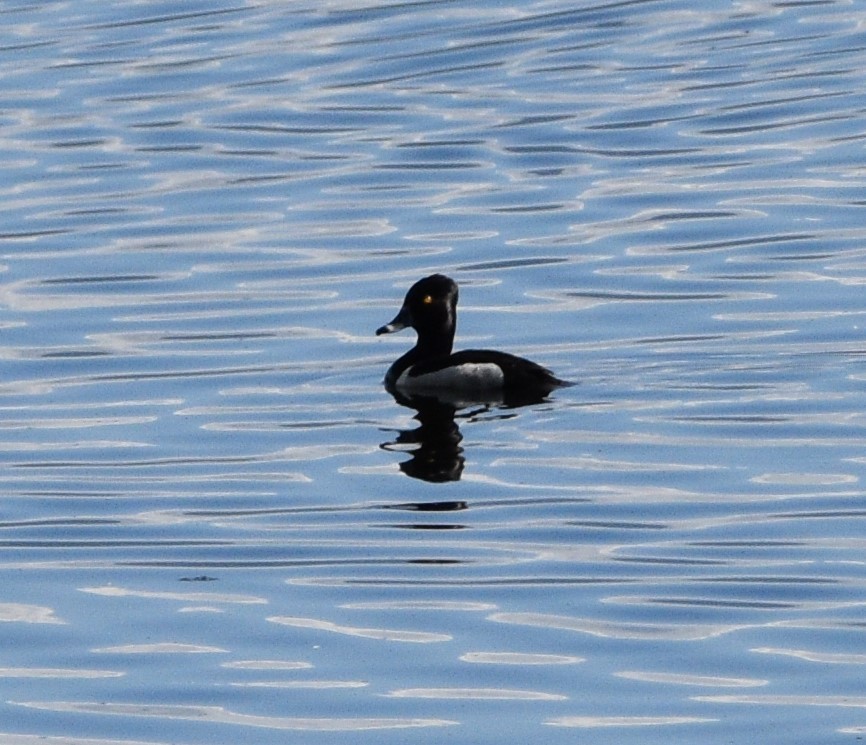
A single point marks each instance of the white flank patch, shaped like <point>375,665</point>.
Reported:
<point>478,377</point>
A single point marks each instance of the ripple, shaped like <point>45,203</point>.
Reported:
<point>827,658</point>
<point>416,637</point>
<point>857,702</point>
<point>597,722</point>
<point>160,648</point>
<point>267,665</point>
<point>519,658</point>
<point>57,673</point>
<point>210,597</point>
<point>477,694</point>
<point>221,715</point>
<point>22,613</point>
<point>708,681</point>
<point>615,630</point>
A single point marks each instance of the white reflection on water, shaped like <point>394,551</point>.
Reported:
<point>478,694</point>
<point>680,631</point>
<point>220,715</point>
<point>518,658</point>
<point>270,665</point>
<point>13,739</point>
<point>159,648</point>
<point>597,722</point>
<point>23,613</point>
<point>857,702</point>
<point>211,597</point>
<point>304,684</point>
<point>56,673</point>
<point>706,681</point>
<point>838,658</point>
<point>389,635</point>
<point>421,605</point>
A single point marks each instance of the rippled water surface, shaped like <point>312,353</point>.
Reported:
<point>217,526</point>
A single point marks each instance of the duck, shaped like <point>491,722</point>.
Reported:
<point>432,368</point>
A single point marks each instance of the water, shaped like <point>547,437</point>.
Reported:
<point>216,524</point>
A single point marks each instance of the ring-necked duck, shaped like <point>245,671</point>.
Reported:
<point>430,308</point>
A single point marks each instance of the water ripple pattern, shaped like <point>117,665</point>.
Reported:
<point>216,525</point>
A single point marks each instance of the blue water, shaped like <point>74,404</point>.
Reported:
<point>216,525</point>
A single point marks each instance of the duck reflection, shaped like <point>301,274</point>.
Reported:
<point>434,445</point>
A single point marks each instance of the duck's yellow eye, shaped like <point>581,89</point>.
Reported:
<point>427,299</point>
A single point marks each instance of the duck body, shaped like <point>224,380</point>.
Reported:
<point>430,367</point>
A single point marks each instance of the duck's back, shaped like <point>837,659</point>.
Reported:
<point>480,369</point>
